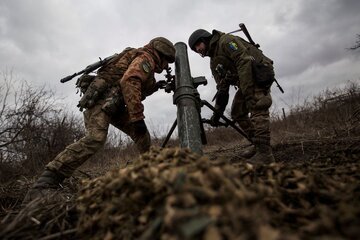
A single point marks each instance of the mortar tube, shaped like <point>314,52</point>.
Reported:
<point>188,117</point>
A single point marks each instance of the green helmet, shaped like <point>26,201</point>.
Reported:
<point>165,47</point>
<point>196,36</point>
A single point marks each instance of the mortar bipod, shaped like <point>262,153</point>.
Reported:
<point>227,123</point>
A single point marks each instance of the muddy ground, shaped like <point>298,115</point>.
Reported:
<point>312,191</point>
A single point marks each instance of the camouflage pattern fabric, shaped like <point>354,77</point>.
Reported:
<point>137,78</point>
<point>238,58</point>
<point>96,124</point>
<point>257,125</point>
<point>134,76</point>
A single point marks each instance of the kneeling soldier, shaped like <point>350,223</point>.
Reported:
<point>114,96</point>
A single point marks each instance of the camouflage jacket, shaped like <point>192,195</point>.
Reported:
<point>237,57</point>
<point>133,74</point>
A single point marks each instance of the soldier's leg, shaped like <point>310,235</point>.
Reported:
<point>65,163</point>
<point>260,117</point>
<point>74,155</point>
<point>141,138</point>
<point>240,114</point>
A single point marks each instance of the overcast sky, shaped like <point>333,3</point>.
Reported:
<point>42,41</point>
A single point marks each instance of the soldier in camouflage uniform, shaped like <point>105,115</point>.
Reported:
<point>114,96</point>
<point>234,61</point>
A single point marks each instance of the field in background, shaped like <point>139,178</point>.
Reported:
<point>316,146</point>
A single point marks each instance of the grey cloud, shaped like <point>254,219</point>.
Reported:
<point>45,40</point>
<point>318,32</point>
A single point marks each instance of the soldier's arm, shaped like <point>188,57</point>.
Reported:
<point>238,53</point>
<point>131,87</point>
<point>222,94</point>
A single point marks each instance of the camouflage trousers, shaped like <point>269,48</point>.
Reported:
<point>96,124</point>
<point>257,125</point>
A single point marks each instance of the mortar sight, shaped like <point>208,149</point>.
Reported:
<point>169,84</point>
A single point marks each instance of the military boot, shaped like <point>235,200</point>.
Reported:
<point>263,155</point>
<point>42,187</point>
<point>248,152</point>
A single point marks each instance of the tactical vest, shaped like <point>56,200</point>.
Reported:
<point>224,70</point>
<point>85,80</point>
<point>94,88</point>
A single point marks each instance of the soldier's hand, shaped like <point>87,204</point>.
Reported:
<point>214,120</point>
<point>139,127</point>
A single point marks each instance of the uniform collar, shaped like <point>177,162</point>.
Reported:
<point>213,42</point>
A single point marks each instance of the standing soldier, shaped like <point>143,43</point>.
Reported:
<point>114,96</point>
<point>234,61</point>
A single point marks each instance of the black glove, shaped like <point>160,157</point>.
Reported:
<point>159,85</point>
<point>214,120</point>
<point>140,127</point>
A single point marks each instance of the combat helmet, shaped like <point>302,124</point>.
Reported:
<point>196,36</point>
<point>165,47</point>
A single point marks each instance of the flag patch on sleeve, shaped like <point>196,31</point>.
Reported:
<point>233,46</point>
<point>146,66</point>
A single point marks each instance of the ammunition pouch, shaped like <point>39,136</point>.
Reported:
<point>264,73</point>
<point>84,82</point>
<point>94,92</point>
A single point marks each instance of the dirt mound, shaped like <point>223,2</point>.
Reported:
<point>175,194</point>
<point>171,194</point>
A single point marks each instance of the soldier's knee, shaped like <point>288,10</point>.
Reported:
<point>263,103</point>
<point>95,140</point>
<point>101,137</point>
<point>263,99</point>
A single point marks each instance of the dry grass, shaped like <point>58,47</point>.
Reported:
<point>332,114</point>
<point>312,191</point>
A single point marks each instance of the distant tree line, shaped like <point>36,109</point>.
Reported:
<point>33,126</point>
<point>357,44</point>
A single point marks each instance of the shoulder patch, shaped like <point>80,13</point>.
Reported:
<point>146,66</point>
<point>233,45</point>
